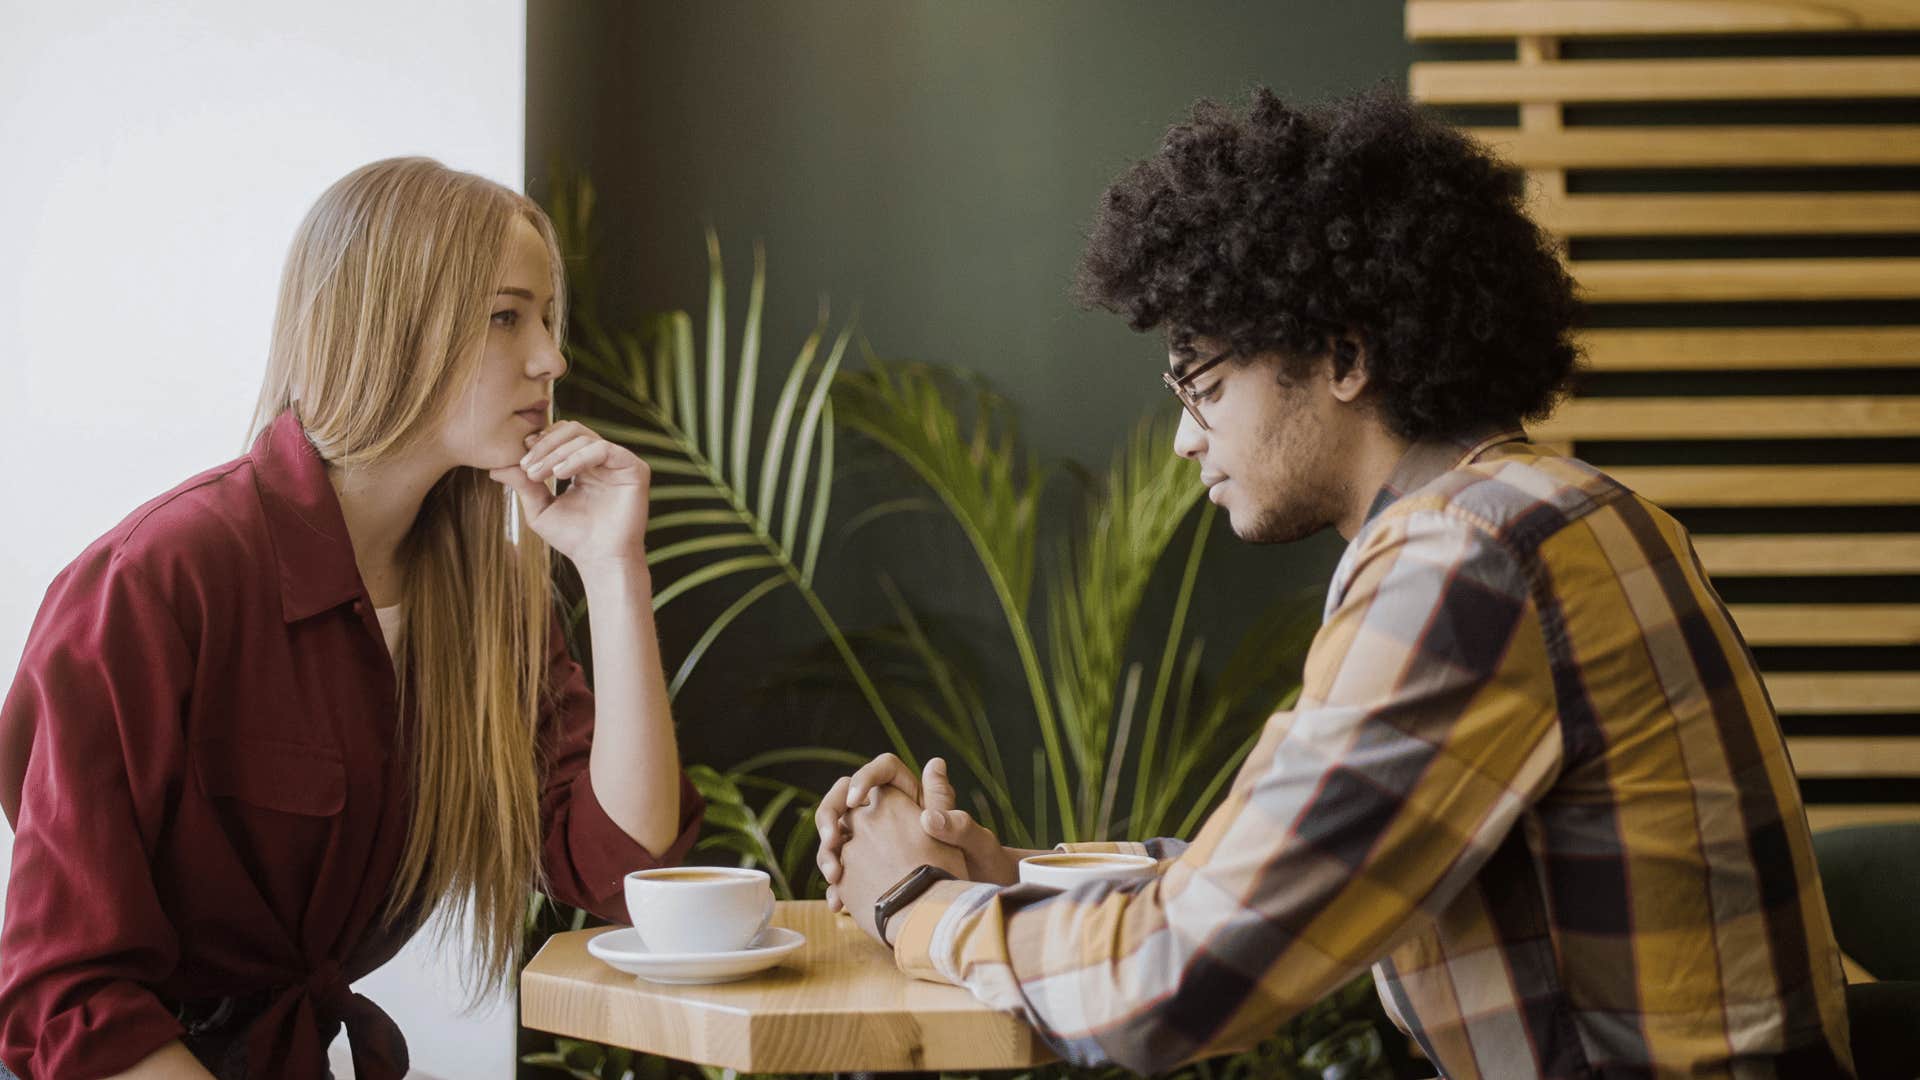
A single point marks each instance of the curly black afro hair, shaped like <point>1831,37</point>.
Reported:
<point>1280,231</point>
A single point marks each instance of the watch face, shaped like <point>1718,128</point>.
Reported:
<point>904,892</point>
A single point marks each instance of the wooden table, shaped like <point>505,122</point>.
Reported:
<point>837,1004</point>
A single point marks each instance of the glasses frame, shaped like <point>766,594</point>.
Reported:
<point>1182,387</point>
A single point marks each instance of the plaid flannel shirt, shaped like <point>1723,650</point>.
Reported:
<point>1533,778</point>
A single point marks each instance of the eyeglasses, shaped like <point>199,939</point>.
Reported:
<point>1183,389</point>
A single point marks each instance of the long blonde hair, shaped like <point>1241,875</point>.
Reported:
<point>383,313</point>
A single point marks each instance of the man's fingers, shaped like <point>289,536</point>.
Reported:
<point>958,828</point>
<point>881,771</point>
<point>826,821</point>
<point>826,817</point>
<point>937,789</point>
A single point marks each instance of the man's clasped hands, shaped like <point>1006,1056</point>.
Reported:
<point>877,825</point>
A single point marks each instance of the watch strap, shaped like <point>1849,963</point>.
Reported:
<point>904,892</point>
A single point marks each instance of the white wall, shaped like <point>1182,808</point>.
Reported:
<point>158,157</point>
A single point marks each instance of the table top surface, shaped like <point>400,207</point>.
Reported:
<point>837,1003</point>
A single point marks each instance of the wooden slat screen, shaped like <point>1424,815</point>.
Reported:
<point>1753,281</point>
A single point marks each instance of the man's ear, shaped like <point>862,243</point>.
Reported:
<point>1347,385</point>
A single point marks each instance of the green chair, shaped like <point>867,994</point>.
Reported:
<point>1871,877</point>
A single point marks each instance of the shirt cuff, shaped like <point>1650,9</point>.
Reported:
<point>119,1025</point>
<point>930,925</point>
<point>603,852</point>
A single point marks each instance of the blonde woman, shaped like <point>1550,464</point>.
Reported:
<point>285,712</point>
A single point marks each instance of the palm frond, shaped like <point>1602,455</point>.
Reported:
<point>1092,601</point>
<point>992,492</point>
<point>668,413</point>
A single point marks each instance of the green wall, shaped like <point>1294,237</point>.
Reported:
<point>936,163</point>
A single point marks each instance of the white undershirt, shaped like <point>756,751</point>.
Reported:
<point>390,620</point>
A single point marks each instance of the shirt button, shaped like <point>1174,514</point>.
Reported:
<point>360,607</point>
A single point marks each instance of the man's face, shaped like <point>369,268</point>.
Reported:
<point>1271,452</point>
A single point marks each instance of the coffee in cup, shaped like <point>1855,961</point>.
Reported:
<point>1065,869</point>
<point>697,909</point>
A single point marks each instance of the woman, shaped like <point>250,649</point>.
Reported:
<point>282,714</point>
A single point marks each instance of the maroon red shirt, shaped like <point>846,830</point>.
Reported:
<point>198,754</point>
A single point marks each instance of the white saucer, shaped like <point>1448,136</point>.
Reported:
<point>624,950</point>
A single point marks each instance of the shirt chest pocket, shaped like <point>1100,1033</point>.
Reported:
<point>291,778</point>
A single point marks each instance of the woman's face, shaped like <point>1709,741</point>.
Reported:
<point>513,392</point>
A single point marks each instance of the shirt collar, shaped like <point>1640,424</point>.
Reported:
<point>309,532</point>
<point>1427,459</point>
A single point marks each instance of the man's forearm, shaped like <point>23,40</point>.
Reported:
<point>171,1062</point>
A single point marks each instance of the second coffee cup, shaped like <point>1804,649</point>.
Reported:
<point>1065,869</point>
<point>697,909</point>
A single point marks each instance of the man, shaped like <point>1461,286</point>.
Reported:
<point>1532,777</point>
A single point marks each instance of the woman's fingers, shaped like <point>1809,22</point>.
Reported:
<point>579,461</point>
<point>542,443</point>
<point>532,493</point>
<point>543,463</point>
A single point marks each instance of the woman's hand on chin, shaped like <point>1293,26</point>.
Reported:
<point>600,520</point>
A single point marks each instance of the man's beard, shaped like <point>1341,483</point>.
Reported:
<point>1312,501</point>
<point>1295,519</point>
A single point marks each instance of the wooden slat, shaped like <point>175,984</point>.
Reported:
<point>1841,815</point>
<point>1497,82</point>
<point>1474,20</point>
<point>1774,485</point>
<point>1708,280</point>
<point>1744,146</point>
<point>1845,755</point>
<point>1751,349</point>
<point>1845,692</point>
<point>1808,556</point>
<point>1595,418</point>
<point>1828,624</point>
<point>1730,214</point>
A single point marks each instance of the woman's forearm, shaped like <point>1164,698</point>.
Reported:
<point>171,1062</point>
<point>635,762</point>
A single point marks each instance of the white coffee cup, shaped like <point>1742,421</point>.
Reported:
<point>698,909</point>
<point>1065,869</point>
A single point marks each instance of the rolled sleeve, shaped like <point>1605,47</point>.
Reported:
<point>96,707</point>
<point>585,853</point>
<point>939,908</point>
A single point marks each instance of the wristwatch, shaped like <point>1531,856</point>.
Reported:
<point>904,892</point>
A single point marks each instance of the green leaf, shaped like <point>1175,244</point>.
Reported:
<point>711,572</point>
<point>771,811</point>
<point>782,417</point>
<point>726,815</point>
<point>1176,628</point>
<point>682,329</point>
<point>803,442</point>
<point>667,466</point>
<point>685,518</point>
<point>716,354</point>
<point>710,542</point>
<point>749,376</point>
<point>794,754</point>
<point>713,786</point>
<point>822,496</point>
<point>717,627</point>
<point>904,410</point>
<point>628,434</point>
